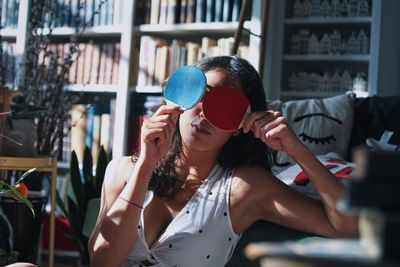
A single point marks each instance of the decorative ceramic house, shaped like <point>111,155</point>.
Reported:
<point>353,11</point>
<point>293,82</point>
<point>303,80</point>
<point>343,47</point>
<point>315,8</point>
<point>304,35</point>
<point>325,44</point>
<point>306,8</point>
<point>325,83</point>
<point>314,82</point>
<point>336,39</point>
<point>359,83</point>
<point>295,44</point>
<point>313,44</point>
<point>335,9</point>
<point>353,45</point>
<point>346,81</point>
<point>335,81</point>
<point>363,8</point>
<point>364,42</point>
<point>325,8</point>
<point>345,8</point>
<point>297,9</point>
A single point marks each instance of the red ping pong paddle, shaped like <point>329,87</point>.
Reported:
<point>225,107</point>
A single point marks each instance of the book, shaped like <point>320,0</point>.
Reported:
<point>190,11</point>
<point>108,71</point>
<point>236,6</point>
<point>155,11</point>
<point>87,69</point>
<point>227,11</point>
<point>105,131</point>
<point>90,110</point>
<point>219,5</point>
<point>80,63</point>
<point>183,11</point>
<point>78,130</point>
<point>115,68</point>
<point>95,68</point>
<point>163,12</point>
<point>210,10</point>
<point>96,133</point>
<point>173,11</point>
<point>102,63</point>
<point>200,11</point>
<point>144,54</point>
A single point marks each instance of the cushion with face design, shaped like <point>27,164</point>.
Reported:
<point>295,177</point>
<point>323,125</point>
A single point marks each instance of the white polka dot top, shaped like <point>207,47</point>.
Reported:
<point>201,234</point>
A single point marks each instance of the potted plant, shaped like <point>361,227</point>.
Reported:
<point>18,192</point>
<point>42,77</point>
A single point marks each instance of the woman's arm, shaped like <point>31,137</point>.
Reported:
<point>124,190</point>
<point>284,204</point>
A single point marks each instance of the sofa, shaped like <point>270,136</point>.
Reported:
<point>331,128</point>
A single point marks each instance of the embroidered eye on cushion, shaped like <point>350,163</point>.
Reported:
<point>323,125</point>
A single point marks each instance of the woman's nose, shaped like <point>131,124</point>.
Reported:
<point>201,114</point>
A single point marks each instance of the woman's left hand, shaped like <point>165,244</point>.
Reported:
<point>273,129</point>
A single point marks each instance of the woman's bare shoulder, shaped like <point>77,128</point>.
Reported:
<point>118,170</point>
<point>251,179</point>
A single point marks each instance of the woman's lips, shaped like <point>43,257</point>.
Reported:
<point>200,128</point>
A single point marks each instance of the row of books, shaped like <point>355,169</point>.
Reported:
<point>92,12</point>
<point>8,62</point>
<point>9,13</point>
<point>97,63</point>
<point>90,127</point>
<point>157,58</point>
<point>187,11</point>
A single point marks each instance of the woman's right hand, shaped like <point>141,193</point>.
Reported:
<point>157,132</point>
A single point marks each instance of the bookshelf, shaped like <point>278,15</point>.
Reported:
<point>162,31</point>
<point>130,22</point>
<point>336,48</point>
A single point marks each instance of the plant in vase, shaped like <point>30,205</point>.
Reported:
<point>43,74</point>
<point>19,192</point>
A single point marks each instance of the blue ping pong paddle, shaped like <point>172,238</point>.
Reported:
<point>185,87</point>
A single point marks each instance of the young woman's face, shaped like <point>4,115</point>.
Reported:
<point>196,132</point>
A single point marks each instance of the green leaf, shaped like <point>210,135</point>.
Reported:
<point>76,180</point>
<point>25,174</point>
<point>102,163</point>
<point>60,204</point>
<point>87,171</point>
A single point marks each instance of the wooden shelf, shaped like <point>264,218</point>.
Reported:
<point>9,33</point>
<point>189,28</point>
<point>147,89</point>
<point>93,88</point>
<point>98,31</point>
<point>350,58</point>
<point>329,20</point>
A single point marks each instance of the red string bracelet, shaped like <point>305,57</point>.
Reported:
<point>130,202</point>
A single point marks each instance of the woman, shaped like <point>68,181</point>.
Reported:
<point>193,189</point>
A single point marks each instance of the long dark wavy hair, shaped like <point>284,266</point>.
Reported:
<point>239,149</point>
